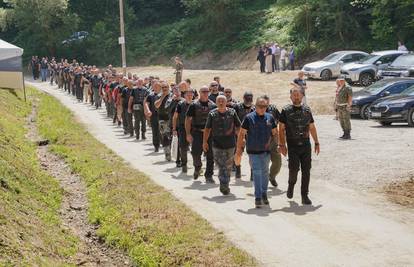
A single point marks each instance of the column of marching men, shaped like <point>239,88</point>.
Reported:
<point>209,123</point>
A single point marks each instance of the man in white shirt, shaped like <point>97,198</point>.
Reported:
<point>402,47</point>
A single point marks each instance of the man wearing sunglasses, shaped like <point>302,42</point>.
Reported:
<point>195,122</point>
<point>295,127</point>
<point>214,91</point>
<point>258,129</point>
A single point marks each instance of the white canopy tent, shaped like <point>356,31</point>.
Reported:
<point>11,71</point>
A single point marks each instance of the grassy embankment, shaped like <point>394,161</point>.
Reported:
<point>30,228</point>
<point>134,214</point>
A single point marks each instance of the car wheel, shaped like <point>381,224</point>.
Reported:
<point>385,123</point>
<point>326,75</point>
<point>411,117</point>
<point>366,79</point>
<point>364,112</point>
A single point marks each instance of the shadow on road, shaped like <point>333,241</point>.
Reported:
<point>296,209</point>
<point>197,185</point>
<point>223,199</point>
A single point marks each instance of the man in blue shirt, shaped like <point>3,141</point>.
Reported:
<point>258,128</point>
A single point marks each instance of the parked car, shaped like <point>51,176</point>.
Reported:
<point>397,108</point>
<point>403,66</point>
<point>363,99</point>
<point>364,72</point>
<point>330,66</point>
<point>77,36</point>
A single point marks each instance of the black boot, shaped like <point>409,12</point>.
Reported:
<point>347,135</point>
<point>289,192</point>
<point>265,200</point>
<point>258,203</point>
<point>196,173</point>
<point>238,172</point>
<point>184,168</point>
<point>224,189</point>
<point>273,181</point>
<point>143,136</point>
<point>343,136</point>
<point>306,200</point>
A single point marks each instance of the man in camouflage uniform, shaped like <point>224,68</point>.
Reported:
<point>343,104</point>
<point>222,123</point>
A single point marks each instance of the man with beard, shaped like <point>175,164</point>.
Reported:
<point>179,126</point>
<point>136,107</point>
<point>242,109</point>
<point>195,122</point>
<point>296,125</point>
<point>214,91</point>
<point>222,123</point>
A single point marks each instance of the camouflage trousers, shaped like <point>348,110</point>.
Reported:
<point>224,159</point>
<point>165,133</point>
<point>275,159</point>
<point>344,117</point>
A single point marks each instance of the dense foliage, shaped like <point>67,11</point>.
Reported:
<point>163,28</point>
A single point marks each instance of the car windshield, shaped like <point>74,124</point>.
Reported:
<point>333,57</point>
<point>409,91</point>
<point>375,88</point>
<point>370,59</point>
<point>404,61</point>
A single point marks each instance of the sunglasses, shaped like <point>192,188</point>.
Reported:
<point>214,85</point>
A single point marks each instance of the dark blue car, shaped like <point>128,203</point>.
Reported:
<point>363,99</point>
<point>397,108</point>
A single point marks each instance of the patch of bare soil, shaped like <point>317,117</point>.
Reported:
<point>92,251</point>
<point>401,192</point>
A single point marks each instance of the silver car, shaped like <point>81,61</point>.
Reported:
<point>330,66</point>
<point>365,71</point>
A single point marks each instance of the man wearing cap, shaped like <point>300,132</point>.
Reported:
<point>296,125</point>
<point>195,123</point>
<point>242,109</point>
<point>343,105</point>
<point>222,123</point>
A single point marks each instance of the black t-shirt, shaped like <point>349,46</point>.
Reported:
<point>301,83</point>
<point>125,94</point>
<point>164,111</point>
<point>139,95</point>
<point>223,127</point>
<point>195,94</point>
<point>181,109</point>
<point>151,98</point>
<point>213,97</point>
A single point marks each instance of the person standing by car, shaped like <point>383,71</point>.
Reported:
<point>300,83</point>
<point>343,105</point>
<point>296,124</point>
<point>258,129</point>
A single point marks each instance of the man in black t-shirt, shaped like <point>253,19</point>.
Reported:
<point>223,124</point>
<point>214,91</point>
<point>152,112</point>
<point>136,107</point>
<point>195,122</point>
<point>126,115</point>
<point>162,104</point>
<point>296,125</point>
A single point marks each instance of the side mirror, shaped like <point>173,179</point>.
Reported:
<point>385,93</point>
<point>378,63</point>
<point>340,62</point>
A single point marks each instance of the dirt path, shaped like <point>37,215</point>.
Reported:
<point>345,226</point>
<point>74,210</point>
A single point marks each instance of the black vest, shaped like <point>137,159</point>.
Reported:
<point>183,111</point>
<point>223,123</point>
<point>201,113</point>
<point>242,110</point>
<point>297,124</point>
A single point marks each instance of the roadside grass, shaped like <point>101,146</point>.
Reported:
<point>132,212</point>
<point>401,193</point>
<point>30,228</point>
